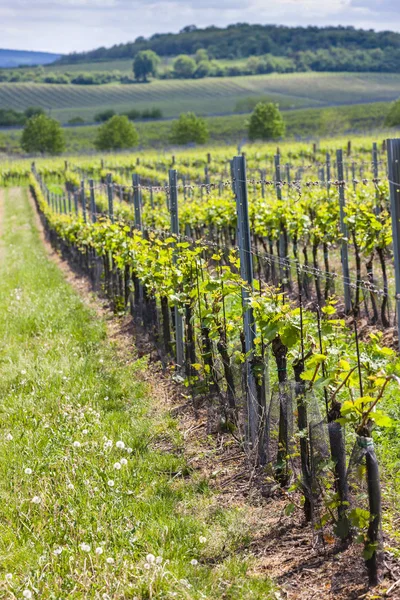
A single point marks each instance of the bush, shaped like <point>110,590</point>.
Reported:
<point>33,111</point>
<point>104,116</point>
<point>76,121</point>
<point>152,113</point>
<point>266,122</point>
<point>189,128</point>
<point>393,116</point>
<point>132,114</point>
<point>204,69</point>
<point>43,134</point>
<point>184,67</point>
<point>115,134</point>
<point>145,63</point>
<point>10,117</point>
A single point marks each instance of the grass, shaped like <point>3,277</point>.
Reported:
<point>303,123</point>
<point>206,96</point>
<point>66,486</point>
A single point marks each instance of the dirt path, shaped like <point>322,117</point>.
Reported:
<point>305,566</point>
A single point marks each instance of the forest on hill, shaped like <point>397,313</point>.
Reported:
<point>317,48</point>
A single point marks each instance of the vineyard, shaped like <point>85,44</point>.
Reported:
<point>268,283</point>
<point>174,96</point>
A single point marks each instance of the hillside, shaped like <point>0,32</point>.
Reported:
<point>16,58</point>
<point>206,96</point>
<point>242,40</point>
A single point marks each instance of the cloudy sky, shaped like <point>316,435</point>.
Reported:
<point>68,25</point>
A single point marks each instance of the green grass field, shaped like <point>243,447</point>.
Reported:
<point>97,500</point>
<point>206,96</point>
<point>303,123</point>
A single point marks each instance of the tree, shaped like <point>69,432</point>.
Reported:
<point>104,116</point>
<point>201,55</point>
<point>204,69</point>
<point>266,122</point>
<point>393,116</point>
<point>145,63</point>
<point>189,128</point>
<point>33,111</point>
<point>43,134</point>
<point>184,66</point>
<point>115,134</point>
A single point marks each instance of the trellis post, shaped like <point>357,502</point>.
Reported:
<point>246,273</point>
<point>110,197</point>
<point>137,201</point>
<point>173,194</point>
<point>375,172</point>
<point>83,200</point>
<point>92,201</point>
<point>393,154</point>
<point>344,250</point>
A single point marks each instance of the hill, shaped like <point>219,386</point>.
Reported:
<point>17,58</point>
<point>206,96</point>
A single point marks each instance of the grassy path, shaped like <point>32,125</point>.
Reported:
<point>90,505</point>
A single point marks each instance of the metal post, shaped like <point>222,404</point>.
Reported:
<point>110,197</point>
<point>69,202</point>
<point>328,172</point>
<point>64,204</point>
<point>344,250</point>
<point>278,188</point>
<point>375,172</point>
<point>92,201</point>
<point>207,177</point>
<point>76,202</point>
<point>246,273</point>
<point>173,192</point>
<point>353,175</point>
<point>393,153</point>
<point>137,201</point>
<point>83,200</point>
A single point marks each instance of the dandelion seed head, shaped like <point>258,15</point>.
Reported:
<point>194,562</point>
<point>159,560</point>
<point>9,576</point>
<point>27,594</point>
<point>36,500</point>
<point>202,539</point>
<point>99,550</point>
<point>85,547</point>
<point>146,566</point>
<point>76,444</point>
<point>9,437</point>
<point>123,461</point>
<point>120,444</point>
<point>150,558</point>
<point>110,482</point>
<point>117,466</point>
<point>129,450</point>
<point>84,431</point>
<point>23,372</point>
<point>57,551</point>
<point>71,486</point>
<point>110,560</point>
<point>28,471</point>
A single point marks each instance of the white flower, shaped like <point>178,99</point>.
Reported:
<point>194,562</point>
<point>99,550</point>
<point>101,360</point>
<point>150,558</point>
<point>159,560</point>
<point>129,450</point>
<point>110,482</point>
<point>85,547</point>
<point>57,551</point>
<point>71,486</point>
<point>146,566</point>
<point>123,461</point>
<point>84,431</point>
<point>76,444</point>
<point>9,437</point>
<point>120,444</point>
<point>27,594</point>
<point>9,576</point>
<point>202,539</point>
<point>117,466</point>
<point>110,560</point>
<point>23,372</point>
<point>105,397</point>
<point>36,500</point>
<point>28,471</point>
<point>108,444</point>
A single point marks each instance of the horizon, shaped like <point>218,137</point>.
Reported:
<point>84,25</point>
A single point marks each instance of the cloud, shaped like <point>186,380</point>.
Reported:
<point>67,25</point>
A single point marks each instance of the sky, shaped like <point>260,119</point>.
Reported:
<point>75,25</point>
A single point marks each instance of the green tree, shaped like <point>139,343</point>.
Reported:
<point>201,55</point>
<point>393,116</point>
<point>117,133</point>
<point>184,66</point>
<point>266,122</point>
<point>145,63</point>
<point>33,111</point>
<point>104,116</point>
<point>43,134</point>
<point>189,128</point>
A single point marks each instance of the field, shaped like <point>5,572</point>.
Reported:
<point>206,96</point>
<point>300,123</point>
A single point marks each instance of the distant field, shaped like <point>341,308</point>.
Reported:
<point>206,96</point>
<point>303,123</point>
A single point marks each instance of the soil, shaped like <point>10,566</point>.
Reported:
<point>305,564</point>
